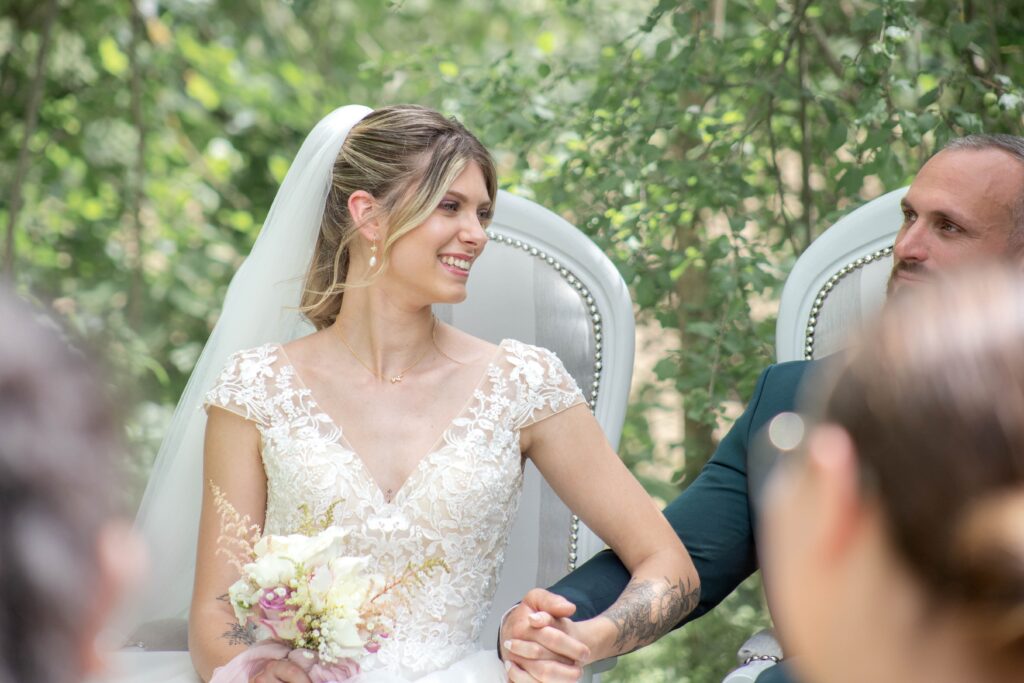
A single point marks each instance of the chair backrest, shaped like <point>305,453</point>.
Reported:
<point>834,286</point>
<point>839,281</point>
<point>541,281</point>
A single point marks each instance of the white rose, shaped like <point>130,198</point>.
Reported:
<point>344,636</point>
<point>350,586</point>
<point>271,571</point>
<point>310,551</point>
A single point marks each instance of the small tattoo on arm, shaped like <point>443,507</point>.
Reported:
<point>239,635</point>
<point>236,633</point>
<point>648,609</point>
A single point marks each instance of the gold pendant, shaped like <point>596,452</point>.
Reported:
<point>396,380</point>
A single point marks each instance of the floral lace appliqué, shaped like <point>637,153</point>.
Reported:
<point>459,505</point>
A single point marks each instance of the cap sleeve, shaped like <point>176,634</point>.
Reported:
<point>242,385</point>
<point>543,386</point>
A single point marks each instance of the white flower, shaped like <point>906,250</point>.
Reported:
<point>271,571</point>
<point>534,374</point>
<point>344,636</point>
<point>309,551</point>
<point>1009,100</point>
<point>242,596</point>
<point>897,34</point>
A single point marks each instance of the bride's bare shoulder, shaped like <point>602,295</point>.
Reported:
<point>308,350</point>
<point>464,347</point>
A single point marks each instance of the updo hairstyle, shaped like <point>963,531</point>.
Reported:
<point>933,400</point>
<point>407,157</point>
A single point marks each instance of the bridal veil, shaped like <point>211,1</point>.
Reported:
<point>261,306</point>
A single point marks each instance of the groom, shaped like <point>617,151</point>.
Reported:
<point>966,203</point>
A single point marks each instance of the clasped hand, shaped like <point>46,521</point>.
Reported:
<point>539,642</point>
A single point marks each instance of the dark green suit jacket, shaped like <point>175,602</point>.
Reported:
<point>713,516</point>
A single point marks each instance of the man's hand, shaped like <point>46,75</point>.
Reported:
<point>535,644</point>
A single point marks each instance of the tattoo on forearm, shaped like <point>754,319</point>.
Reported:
<point>648,609</point>
<point>239,635</point>
<point>236,633</point>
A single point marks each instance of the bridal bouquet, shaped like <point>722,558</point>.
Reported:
<point>300,598</point>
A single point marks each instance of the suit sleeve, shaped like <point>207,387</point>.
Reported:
<point>712,518</point>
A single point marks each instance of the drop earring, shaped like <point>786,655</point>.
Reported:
<point>373,254</point>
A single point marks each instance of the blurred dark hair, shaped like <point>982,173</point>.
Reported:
<point>933,398</point>
<point>58,442</point>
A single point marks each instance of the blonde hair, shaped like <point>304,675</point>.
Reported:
<point>406,157</point>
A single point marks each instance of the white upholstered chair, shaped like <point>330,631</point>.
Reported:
<point>543,282</point>
<point>837,284</point>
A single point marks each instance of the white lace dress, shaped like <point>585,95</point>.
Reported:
<point>459,502</point>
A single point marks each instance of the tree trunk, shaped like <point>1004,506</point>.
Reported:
<point>35,97</point>
<point>137,179</point>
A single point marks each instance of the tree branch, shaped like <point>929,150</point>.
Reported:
<point>135,186</point>
<point>35,97</point>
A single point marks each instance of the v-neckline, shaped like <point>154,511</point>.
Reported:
<point>434,447</point>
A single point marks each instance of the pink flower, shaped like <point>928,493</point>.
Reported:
<point>273,602</point>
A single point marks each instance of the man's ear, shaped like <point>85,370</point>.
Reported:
<point>832,464</point>
<point>362,207</point>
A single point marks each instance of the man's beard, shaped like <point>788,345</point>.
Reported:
<point>912,268</point>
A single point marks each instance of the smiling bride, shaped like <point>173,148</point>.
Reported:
<point>412,433</point>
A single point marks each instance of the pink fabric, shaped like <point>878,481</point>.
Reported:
<point>249,663</point>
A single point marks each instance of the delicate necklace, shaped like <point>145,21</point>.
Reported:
<point>400,376</point>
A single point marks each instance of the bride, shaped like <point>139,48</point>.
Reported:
<point>419,429</point>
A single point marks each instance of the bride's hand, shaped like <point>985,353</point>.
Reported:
<point>281,671</point>
<point>540,643</point>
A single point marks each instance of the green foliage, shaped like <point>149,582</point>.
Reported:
<point>702,145</point>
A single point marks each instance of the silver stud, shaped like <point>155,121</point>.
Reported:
<point>597,336</point>
<point>585,292</point>
<point>597,355</point>
<point>550,260</point>
<point>533,251</point>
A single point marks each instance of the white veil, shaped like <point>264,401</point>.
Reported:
<point>261,306</point>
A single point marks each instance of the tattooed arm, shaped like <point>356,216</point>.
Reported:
<point>647,610</point>
<point>663,584</point>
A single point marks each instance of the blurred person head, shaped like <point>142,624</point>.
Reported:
<point>894,534</point>
<point>966,203</point>
<point>395,167</point>
<point>64,556</point>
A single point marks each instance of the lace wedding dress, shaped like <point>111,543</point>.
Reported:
<point>458,504</point>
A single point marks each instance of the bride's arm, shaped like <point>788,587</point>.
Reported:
<point>231,461</point>
<point>574,456</point>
